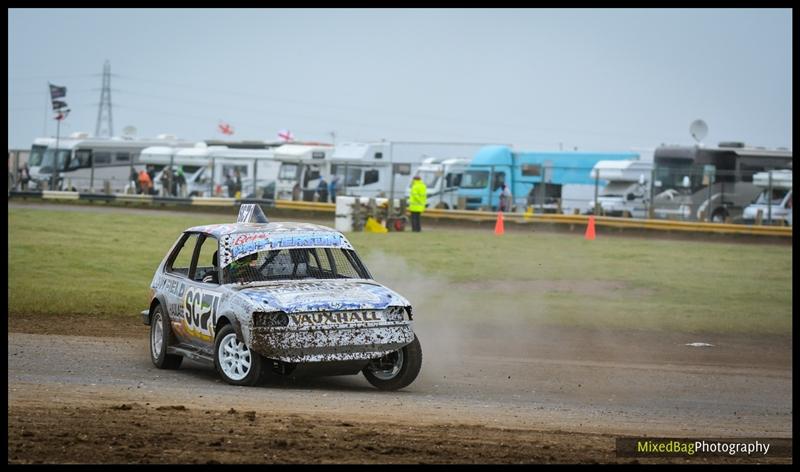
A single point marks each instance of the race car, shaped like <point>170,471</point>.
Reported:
<point>260,299</point>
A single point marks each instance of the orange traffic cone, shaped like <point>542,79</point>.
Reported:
<point>498,227</point>
<point>590,229</point>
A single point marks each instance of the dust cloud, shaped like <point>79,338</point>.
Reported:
<point>452,327</point>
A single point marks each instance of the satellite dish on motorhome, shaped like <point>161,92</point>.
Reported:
<point>699,130</point>
<point>129,131</point>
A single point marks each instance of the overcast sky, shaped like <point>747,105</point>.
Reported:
<point>537,79</point>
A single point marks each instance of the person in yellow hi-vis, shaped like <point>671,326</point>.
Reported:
<point>417,202</point>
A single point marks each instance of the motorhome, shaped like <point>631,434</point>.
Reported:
<point>384,169</point>
<point>194,164</point>
<point>710,183</point>
<point>83,163</point>
<point>442,177</point>
<point>774,203</point>
<point>300,168</point>
<point>548,181</point>
<point>625,190</point>
<point>220,166</point>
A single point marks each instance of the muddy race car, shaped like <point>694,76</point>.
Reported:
<point>260,299</point>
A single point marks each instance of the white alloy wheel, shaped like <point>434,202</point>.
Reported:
<point>157,335</point>
<point>234,357</point>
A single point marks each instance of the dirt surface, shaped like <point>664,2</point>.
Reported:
<point>564,396</point>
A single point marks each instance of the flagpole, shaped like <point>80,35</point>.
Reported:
<point>55,157</point>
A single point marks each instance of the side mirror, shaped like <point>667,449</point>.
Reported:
<point>630,197</point>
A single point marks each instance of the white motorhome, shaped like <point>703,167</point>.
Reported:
<point>776,206</point>
<point>218,174</point>
<point>195,166</point>
<point>626,192</point>
<point>301,167</point>
<point>83,163</point>
<point>442,177</point>
<point>385,168</point>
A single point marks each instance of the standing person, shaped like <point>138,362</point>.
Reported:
<point>333,187</point>
<point>165,179</point>
<point>24,176</point>
<point>134,178</point>
<point>151,172</point>
<point>180,182</point>
<point>505,199</point>
<point>145,182</point>
<point>296,192</point>
<point>416,202</point>
<point>238,183</point>
<point>229,183</point>
<point>322,189</point>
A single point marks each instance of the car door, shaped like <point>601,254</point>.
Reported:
<point>200,302</point>
<point>176,281</point>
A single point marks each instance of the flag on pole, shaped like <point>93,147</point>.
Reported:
<point>61,114</point>
<point>58,105</point>
<point>225,128</point>
<point>57,91</point>
<point>286,135</point>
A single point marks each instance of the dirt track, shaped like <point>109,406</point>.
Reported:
<point>562,397</point>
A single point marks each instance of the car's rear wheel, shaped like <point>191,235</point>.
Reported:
<point>235,362</point>
<point>160,334</point>
<point>397,369</point>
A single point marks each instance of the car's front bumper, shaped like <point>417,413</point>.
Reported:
<point>330,344</point>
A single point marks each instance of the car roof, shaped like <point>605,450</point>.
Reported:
<point>223,229</point>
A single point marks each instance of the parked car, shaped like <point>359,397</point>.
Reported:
<point>258,299</point>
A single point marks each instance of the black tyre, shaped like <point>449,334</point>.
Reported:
<point>235,362</point>
<point>397,369</point>
<point>160,338</point>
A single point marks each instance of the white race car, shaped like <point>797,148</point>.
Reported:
<point>259,298</point>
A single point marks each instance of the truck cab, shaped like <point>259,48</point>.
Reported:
<point>442,177</point>
<point>549,181</point>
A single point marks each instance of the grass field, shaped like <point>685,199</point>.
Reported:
<point>101,264</point>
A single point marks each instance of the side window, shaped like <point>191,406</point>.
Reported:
<point>102,157</point>
<point>206,262</point>
<point>499,180</point>
<point>370,176</point>
<point>123,156</point>
<point>183,259</point>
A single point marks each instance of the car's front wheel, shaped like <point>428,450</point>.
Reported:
<point>396,369</point>
<point>235,362</point>
<point>160,334</point>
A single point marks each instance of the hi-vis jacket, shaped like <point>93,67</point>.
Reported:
<point>418,197</point>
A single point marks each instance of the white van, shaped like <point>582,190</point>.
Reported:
<point>626,191</point>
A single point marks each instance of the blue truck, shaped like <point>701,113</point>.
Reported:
<point>548,181</point>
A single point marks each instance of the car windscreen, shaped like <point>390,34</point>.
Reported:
<point>294,264</point>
